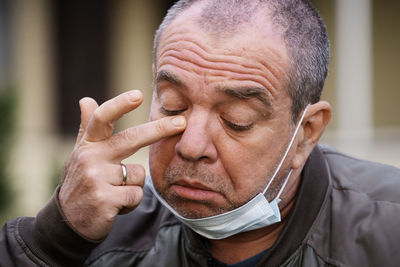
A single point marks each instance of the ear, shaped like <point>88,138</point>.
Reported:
<point>315,120</point>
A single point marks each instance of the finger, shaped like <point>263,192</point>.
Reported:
<point>87,106</point>
<point>101,124</point>
<point>128,197</point>
<point>135,175</point>
<point>127,142</point>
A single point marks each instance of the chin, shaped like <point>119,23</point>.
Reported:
<point>194,209</point>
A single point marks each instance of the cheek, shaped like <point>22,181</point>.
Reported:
<point>160,156</point>
<point>249,163</point>
<point>240,163</point>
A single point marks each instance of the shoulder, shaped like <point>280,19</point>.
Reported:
<point>377,181</point>
<point>360,216</point>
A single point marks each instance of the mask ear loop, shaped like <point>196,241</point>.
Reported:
<point>285,154</point>
<point>283,186</point>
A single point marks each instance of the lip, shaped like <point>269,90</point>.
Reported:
<point>193,190</point>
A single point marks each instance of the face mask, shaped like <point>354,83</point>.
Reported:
<point>255,214</point>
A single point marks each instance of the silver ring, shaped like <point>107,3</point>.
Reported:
<point>124,174</point>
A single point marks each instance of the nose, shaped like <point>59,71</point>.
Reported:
<point>196,142</point>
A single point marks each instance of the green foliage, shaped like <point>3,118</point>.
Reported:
<point>8,101</point>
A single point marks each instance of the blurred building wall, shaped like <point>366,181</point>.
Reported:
<point>361,85</point>
<point>32,75</point>
<point>41,148</point>
<point>386,58</point>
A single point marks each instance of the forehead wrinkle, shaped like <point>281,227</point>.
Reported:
<point>181,37</point>
<point>276,72</point>
<point>238,73</point>
<point>208,62</point>
<point>273,74</point>
<point>179,43</point>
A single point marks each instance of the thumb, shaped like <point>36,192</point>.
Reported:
<point>87,106</point>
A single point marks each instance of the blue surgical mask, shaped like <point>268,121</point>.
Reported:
<point>255,214</point>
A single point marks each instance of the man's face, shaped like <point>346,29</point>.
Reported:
<point>232,93</point>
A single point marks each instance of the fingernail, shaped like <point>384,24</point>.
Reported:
<point>178,121</point>
<point>135,95</point>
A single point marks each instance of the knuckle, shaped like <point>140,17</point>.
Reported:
<point>98,116</point>
<point>139,174</point>
<point>160,126</point>
<point>98,197</point>
<point>90,174</point>
<point>133,196</point>
<point>128,136</point>
<point>114,141</point>
<point>139,194</point>
<point>123,137</point>
<point>132,134</point>
<point>129,198</point>
<point>109,217</point>
<point>83,158</point>
<point>88,182</point>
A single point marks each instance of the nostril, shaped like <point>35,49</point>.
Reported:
<point>203,158</point>
<point>190,153</point>
<point>192,148</point>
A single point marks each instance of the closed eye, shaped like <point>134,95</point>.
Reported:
<point>168,112</point>
<point>237,127</point>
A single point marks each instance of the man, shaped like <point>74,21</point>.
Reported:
<point>237,177</point>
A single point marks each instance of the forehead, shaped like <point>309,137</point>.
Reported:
<point>252,31</point>
<point>255,48</point>
<point>257,38</point>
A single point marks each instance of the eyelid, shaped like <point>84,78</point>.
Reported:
<point>171,112</point>
<point>237,127</point>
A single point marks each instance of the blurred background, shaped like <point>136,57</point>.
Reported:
<point>54,52</point>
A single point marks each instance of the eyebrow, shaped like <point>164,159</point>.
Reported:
<point>166,76</point>
<point>249,92</point>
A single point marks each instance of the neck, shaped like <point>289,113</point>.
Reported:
<point>230,250</point>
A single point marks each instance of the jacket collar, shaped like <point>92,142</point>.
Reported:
<point>310,197</point>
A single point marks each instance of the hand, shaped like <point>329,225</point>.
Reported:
<point>92,194</point>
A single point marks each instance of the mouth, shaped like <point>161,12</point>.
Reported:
<point>194,191</point>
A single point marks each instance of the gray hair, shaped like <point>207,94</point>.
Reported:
<point>301,28</point>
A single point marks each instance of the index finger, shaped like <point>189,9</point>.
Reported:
<point>127,142</point>
<point>101,124</point>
